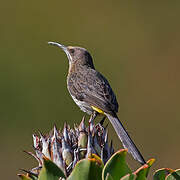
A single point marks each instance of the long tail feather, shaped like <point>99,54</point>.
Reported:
<point>125,138</point>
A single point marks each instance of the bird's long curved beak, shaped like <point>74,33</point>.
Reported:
<point>64,48</point>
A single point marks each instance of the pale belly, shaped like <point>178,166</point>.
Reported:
<point>83,106</point>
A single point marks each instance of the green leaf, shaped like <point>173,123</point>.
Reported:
<point>116,166</point>
<point>142,172</point>
<point>108,177</point>
<point>149,163</point>
<point>50,171</point>
<point>129,177</point>
<point>87,169</point>
<point>96,158</point>
<point>174,175</point>
<point>161,174</point>
<point>33,177</point>
<point>24,177</point>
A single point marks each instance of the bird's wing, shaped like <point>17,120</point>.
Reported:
<point>93,88</point>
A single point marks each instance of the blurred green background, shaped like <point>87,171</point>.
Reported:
<point>136,45</point>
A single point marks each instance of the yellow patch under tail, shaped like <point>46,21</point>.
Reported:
<point>97,109</point>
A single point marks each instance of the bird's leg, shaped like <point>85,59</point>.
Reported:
<point>93,116</point>
<point>102,121</point>
<point>91,120</point>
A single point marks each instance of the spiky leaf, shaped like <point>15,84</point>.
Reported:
<point>149,163</point>
<point>174,175</point>
<point>87,169</point>
<point>161,174</point>
<point>129,177</point>
<point>108,177</point>
<point>116,166</point>
<point>50,171</point>
<point>33,177</point>
<point>24,177</point>
<point>142,172</point>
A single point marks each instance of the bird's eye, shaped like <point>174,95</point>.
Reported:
<point>71,51</point>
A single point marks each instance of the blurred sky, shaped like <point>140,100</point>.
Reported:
<point>136,45</point>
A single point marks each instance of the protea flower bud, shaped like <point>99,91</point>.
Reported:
<point>66,148</point>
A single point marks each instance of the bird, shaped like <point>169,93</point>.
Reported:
<point>92,92</point>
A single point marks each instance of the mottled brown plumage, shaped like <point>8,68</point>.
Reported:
<point>87,85</point>
<point>93,94</point>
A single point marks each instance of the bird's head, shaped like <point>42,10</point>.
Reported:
<point>76,55</point>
